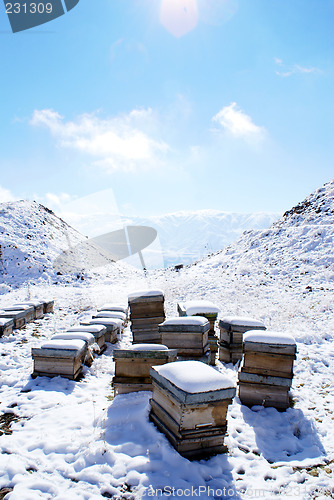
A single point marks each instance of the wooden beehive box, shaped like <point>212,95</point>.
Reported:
<point>189,405</point>
<point>59,357</point>
<point>19,317</point>
<point>208,310</point>
<point>86,337</point>
<point>28,310</point>
<point>38,307</point>
<point>132,366</point>
<point>189,335</point>
<point>48,306</point>
<point>110,325</point>
<point>111,314</point>
<point>232,329</point>
<point>146,304</point>
<point>6,326</point>
<point>266,371</point>
<point>99,332</point>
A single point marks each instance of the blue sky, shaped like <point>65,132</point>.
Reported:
<point>170,105</point>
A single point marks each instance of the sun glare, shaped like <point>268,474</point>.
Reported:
<point>179,16</point>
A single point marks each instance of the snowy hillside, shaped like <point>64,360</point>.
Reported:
<point>74,441</point>
<point>36,245</point>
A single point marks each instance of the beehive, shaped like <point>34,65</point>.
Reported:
<point>111,314</point>
<point>189,405</point>
<point>111,326</point>
<point>6,326</point>
<point>18,317</point>
<point>232,329</point>
<point>28,310</point>
<point>208,310</point>
<point>59,357</point>
<point>132,366</point>
<point>48,306</point>
<point>86,337</point>
<point>38,307</point>
<point>146,313</point>
<point>99,332</point>
<point>189,335</point>
<point>266,371</point>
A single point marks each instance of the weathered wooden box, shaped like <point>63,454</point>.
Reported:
<point>59,357</point>
<point>38,307</point>
<point>86,337</point>
<point>19,317</point>
<point>232,329</point>
<point>146,304</point>
<point>48,306</point>
<point>208,310</point>
<point>99,332</point>
<point>132,366</point>
<point>28,310</point>
<point>110,333</point>
<point>189,335</point>
<point>266,371</point>
<point>189,405</point>
<point>6,326</point>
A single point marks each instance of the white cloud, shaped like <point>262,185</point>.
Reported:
<point>240,125</point>
<point>294,69</point>
<point>124,142</point>
<point>6,195</point>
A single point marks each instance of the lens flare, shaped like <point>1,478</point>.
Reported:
<point>179,16</point>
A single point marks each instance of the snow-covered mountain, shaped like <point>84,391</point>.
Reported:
<point>35,244</point>
<point>184,236</point>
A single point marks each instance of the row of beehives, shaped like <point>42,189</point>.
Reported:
<point>67,352</point>
<point>18,315</point>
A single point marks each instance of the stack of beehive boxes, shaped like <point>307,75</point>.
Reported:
<point>266,371</point>
<point>189,405</point>
<point>189,335</point>
<point>132,366</point>
<point>232,329</point>
<point>146,313</point>
<point>208,310</point>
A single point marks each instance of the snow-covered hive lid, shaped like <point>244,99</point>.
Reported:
<point>94,329</point>
<point>146,295</point>
<point>114,307</point>
<point>109,323</point>
<point>34,303</point>
<point>85,336</point>
<point>111,314</point>
<point>6,321</point>
<point>194,381</point>
<point>243,323</point>
<point>185,324</point>
<point>194,307</point>
<point>69,345</point>
<point>269,337</point>
<point>19,307</point>
<point>149,347</point>
<point>156,351</point>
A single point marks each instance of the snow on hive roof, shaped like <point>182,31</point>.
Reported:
<point>242,321</point>
<point>5,321</point>
<point>113,307</point>
<point>194,376</point>
<point>184,320</point>
<point>111,314</point>
<point>200,306</point>
<point>75,345</point>
<point>89,329</point>
<point>149,347</point>
<point>85,336</point>
<point>268,337</point>
<point>145,293</point>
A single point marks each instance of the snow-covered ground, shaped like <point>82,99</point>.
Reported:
<point>73,440</point>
